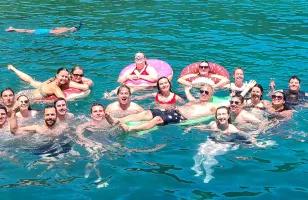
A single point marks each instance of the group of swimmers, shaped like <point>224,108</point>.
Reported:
<point>245,111</point>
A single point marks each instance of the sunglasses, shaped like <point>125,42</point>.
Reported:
<point>203,67</point>
<point>235,102</point>
<point>204,92</point>
<point>277,97</point>
<point>80,75</point>
<point>25,101</point>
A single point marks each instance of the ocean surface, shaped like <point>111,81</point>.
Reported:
<point>267,38</point>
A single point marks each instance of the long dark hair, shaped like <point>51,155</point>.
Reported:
<point>157,84</point>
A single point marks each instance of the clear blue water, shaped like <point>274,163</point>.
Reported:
<point>269,39</point>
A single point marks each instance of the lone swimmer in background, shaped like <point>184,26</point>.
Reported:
<point>43,31</point>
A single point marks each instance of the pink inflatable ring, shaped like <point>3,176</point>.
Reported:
<point>214,69</point>
<point>162,68</point>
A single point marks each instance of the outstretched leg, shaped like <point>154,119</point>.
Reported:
<point>12,29</point>
<point>25,77</point>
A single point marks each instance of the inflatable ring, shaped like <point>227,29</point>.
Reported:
<point>214,69</point>
<point>70,94</point>
<point>162,68</point>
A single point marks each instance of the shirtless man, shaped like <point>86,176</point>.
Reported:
<point>50,127</point>
<point>3,119</point>
<point>240,117</point>
<point>62,112</point>
<point>123,106</point>
<point>194,109</point>
<point>8,99</point>
<point>98,122</point>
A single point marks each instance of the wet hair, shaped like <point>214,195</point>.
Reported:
<point>294,77</point>
<point>8,88</point>
<point>240,97</point>
<point>76,67</point>
<point>281,92</point>
<point>123,86</point>
<point>58,99</point>
<point>237,69</point>
<point>62,69</point>
<point>157,84</point>
<point>204,61</point>
<point>2,107</point>
<point>49,106</point>
<point>78,27</point>
<point>96,104</point>
<point>261,88</point>
<point>228,111</point>
<point>29,107</point>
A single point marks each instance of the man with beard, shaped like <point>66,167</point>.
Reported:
<point>293,95</point>
<point>61,107</point>
<point>123,106</point>
<point>8,99</point>
<point>196,108</point>
<point>98,122</point>
<point>49,128</point>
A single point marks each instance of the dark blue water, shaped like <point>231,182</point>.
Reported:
<point>268,39</point>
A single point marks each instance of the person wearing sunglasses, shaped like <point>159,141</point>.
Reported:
<point>141,71</point>
<point>123,106</point>
<point>25,111</point>
<point>278,107</point>
<point>203,76</point>
<point>241,118</point>
<point>293,95</point>
<point>53,86</point>
<point>196,108</point>
<point>77,75</point>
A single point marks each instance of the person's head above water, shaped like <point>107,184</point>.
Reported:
<point>62,76</point>
<point>97,112</point>
<point>140,59</point>
<point>257,92</point>
<point>24,103</point>
<point>61,106</point>
<point>50,116</point>
<point>163,85</point>
<point>204,68</point>
<point>238,75</point>
<point>236,103</point>
<point>294,84</point>
<point>8,97</point>
<point>124,94</point>
<point>3,115</point>
<point>76,74</point>
<point>206,91</point>
<point>222,115</point>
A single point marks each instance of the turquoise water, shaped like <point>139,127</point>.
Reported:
<point>269,39</point>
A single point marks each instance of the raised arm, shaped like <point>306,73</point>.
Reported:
<point>189,96</point>
<point>183,80</point>
<point>223,81</point>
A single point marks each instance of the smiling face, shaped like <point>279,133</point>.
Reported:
<point>77,75</point>
<point>222,116</point>
<point>97,113</point>
<point>277,99</point>
<point>204,69</point>
<point>238,76</point>
<point>236,105</point>
<point>124,96</point>
<point>140,59</point>
<point>294,84</point>
<point>23,103</point>
<point>164,85</point>
<point>63,77</point>
<point>206,92</point>
<point>8,98</point>
<point>256,93</point>
<point>3,117</point>
<point>61,107</point>
<point>50,116</point>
